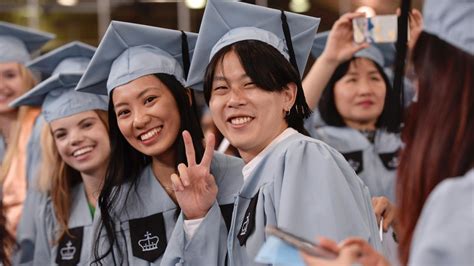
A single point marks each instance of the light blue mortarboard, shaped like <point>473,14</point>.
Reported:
<point>381,53</point>
<point>71,57</point>
<point>17,42</point>
<point>129,51</point>
<point>451,21</point>
<point>226,22</point>
<point>56,94</point>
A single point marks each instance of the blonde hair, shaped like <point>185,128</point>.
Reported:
<point>29,82</point>
<point>56,178</point>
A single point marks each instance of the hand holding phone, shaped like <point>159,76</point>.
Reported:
<point>308,247</point>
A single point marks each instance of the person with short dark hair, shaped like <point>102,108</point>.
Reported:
<point>250,60</point>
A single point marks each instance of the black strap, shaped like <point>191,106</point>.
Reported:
<point>289,43</point>
<point>185,53</point>
<point>301,107</point>
<point>401,46</point>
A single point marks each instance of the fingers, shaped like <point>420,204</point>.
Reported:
<point>358,47</point>
<point>352,240</point>
<point>350,254</point>
<point>312,261</point>
<point>390,217</point>
<point>380,205</point>
<point>352,15</point>
<point>346,19</point>
<point>183,174</point>
<point>328,244</point>
<point>189,148</point>
<point>416,20</point>
<point>177,185</point>
<point>209,151</point>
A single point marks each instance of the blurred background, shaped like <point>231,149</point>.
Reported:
<point>87,20</point>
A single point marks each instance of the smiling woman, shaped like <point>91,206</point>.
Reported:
<point>147,114</point>
<point>357,104</point>
<point>75,149</point>
<point>18,134</point>
<point>149,109</point>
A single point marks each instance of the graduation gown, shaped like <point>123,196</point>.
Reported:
<point>444,233</point>
<point>301,185</point>
<point>68,250</point>
<point>375,163</point>
<point>27,228</point>
<point>148,216</point>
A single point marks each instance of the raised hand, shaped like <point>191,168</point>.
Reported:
<point>195,186</point>
<point>340,45</point>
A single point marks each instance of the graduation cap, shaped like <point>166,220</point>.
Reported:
<point>226,22</point>
<point>72,57</point>
<point>56,94</point>
<point>381,53</point>
<point>17,42</point>
<point>129,51</point>
<point>451,21</point>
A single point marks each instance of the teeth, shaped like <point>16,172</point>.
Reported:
<point>240,120</point>
<point>82,151</point>
<point>150,134</point>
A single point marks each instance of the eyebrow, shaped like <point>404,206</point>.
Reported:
<point>80,122</point>
<point>87,118</point>
<point>373,72</point>
<point>223,78</point>
<point>143,92</point>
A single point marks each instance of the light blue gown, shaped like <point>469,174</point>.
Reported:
<point>301,185</point>
<point>148,216</point>
<point>69,250</point>
<point>444,233</point>
<point>375,163</point>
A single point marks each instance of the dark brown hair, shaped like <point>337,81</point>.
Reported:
<point>269,70</point>
<point>327,104</point>
<point>7,242</point>
<point>439,132</point>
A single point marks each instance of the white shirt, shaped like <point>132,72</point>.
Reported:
<point>190,226</point>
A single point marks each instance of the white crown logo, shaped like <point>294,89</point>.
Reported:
<point>149,243</point>
<point>354,164</point>
<point>245,225</point>
<point>67,253</point>
<point>394,162</point>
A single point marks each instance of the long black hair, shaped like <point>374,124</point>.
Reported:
<point>327,105</point>
<point>269,70</point>
<point>126,163</point>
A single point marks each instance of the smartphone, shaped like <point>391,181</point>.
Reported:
<point>308,247</point>
<point>378,29</point>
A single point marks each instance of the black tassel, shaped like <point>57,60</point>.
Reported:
<point>301,106</point>
<point>399,71</point>
<point>185,53</point>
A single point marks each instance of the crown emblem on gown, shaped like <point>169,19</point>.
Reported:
<point>67,252</point>
<point>354,164</point>
<point>149,243</point>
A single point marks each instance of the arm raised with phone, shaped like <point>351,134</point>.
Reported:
<point>340,47</point>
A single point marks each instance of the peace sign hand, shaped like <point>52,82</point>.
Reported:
<point>195,187</point>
